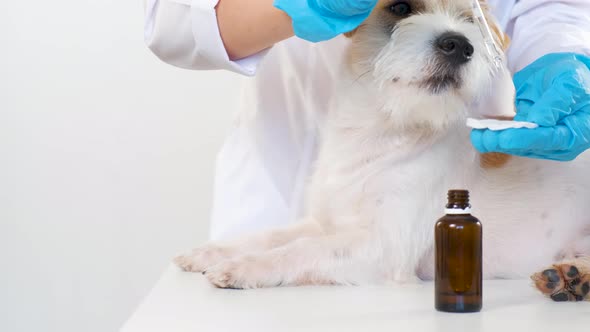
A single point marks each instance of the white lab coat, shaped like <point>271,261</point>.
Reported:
<point>263,166</point>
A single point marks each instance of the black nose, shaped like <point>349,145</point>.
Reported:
<point>455,48</point>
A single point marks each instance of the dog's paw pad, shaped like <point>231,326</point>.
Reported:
<point>570,272</point>
<point>563,283</point>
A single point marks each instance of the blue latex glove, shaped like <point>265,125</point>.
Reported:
<point>553,92</point>
<point>319,20</point>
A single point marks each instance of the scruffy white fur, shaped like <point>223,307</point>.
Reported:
<point>391,149</point>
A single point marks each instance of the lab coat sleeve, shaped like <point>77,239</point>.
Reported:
<point>541,27</point>
<point>184,33</point>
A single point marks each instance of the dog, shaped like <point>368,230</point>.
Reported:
<point>394,142</point>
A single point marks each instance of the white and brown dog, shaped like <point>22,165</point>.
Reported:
<point>392,147</point>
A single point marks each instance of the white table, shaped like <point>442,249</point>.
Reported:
<point>183,302</point>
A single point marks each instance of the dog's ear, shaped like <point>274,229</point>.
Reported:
<point>501,38</point>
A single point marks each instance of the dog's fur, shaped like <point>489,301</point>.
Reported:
<point>394,143</point>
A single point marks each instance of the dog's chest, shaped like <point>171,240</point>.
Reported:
<point>386,182</point>
<point>421,175</point>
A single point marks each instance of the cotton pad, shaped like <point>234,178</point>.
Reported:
<point>495,125</point>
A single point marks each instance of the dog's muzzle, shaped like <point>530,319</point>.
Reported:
<point>453,50</point>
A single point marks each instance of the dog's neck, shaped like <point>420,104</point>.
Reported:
<point>368,111</point>
<point>371,136</point>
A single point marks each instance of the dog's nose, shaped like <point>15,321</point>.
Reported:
<point>455,47</point>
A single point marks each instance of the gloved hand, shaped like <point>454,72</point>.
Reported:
<point>319,20</point>
<point>553,92</point>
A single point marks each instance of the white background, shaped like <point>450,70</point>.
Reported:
<point>106,162</point>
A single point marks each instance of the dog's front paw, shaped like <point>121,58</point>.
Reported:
<point>564,282</point>
<point>202,258</point>
<point>245,272</point>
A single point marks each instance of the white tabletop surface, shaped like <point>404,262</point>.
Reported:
<point>183,302</point>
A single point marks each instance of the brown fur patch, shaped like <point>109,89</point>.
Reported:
<point>495,160</point>
<point>350,34</point>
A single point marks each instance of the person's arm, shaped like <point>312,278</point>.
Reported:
<point>549,53</point>
<point>248,27</point>
<point>540,27</point>
<point>234,34</point>
<point>185,34</point>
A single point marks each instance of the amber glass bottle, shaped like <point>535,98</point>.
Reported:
<point>458,255</point>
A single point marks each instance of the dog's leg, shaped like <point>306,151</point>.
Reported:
<point>213,253</point>
<point>568,280</point>
<point>337,258</point>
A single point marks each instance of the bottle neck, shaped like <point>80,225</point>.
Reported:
<point>458,202</point>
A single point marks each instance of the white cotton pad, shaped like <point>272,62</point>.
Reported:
<point>492,124</point>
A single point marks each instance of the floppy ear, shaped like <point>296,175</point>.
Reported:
<point>501,38</point>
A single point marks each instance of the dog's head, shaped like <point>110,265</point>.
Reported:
<point>427,59</point>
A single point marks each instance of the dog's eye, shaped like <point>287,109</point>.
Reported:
<point>401,9</point>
